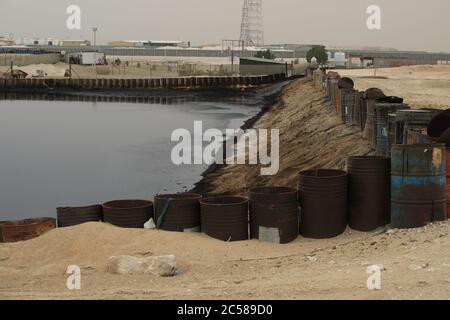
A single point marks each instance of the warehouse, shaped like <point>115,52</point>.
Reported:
<point>257,66</point>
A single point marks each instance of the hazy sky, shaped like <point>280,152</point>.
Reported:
<point>406,24</point>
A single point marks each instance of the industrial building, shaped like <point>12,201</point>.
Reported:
<point>257,66</point>
<point>148,43</point>
<point>6,41</point>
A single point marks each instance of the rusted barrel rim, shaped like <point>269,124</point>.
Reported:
<point>179,196</point>
<point>328,173</point>
<point>224,201</point>
<point>122,204</point>
<point>420,145</point>
<point>368,158</point>
<point>25,222</point>
<point>81,208</point>
<point>273,190</point>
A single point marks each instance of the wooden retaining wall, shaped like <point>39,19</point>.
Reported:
<point>138,84</point>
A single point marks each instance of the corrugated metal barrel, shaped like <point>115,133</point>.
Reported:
<point>382,111</point>
<point>225,218</point>
<point>323,203</point>
<point>369,192</point>
<point>416,116</point>
<point>128,213</point>
<point>418,185</point>
<point>72,216</point>
<point>274,214</point>
<point>371,125</point>
<point>182,213</point>
<point>348,105</point>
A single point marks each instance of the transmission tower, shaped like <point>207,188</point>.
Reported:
<point>252,29</point>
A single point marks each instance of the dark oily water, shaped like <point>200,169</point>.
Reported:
<point>73,153</point>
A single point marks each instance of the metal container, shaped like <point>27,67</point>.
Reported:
<point>225,218</point>
<point>72,216</point>
<point>369,192</point>
<point>128,213</point>
<point>323,203</point>
<point>363,110</point>
<point>415,134</point>
<point>382,122</point>
<point>274,214</point>
<point>414,116</point>
<point>418,185</point>
<point>371,125</point>
<point>348,105</point>
<point>181,212</point>
<point>22,230</point>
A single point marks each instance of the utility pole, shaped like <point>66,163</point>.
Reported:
<point>94,29</point>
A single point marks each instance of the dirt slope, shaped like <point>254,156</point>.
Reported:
<point>311,136</point>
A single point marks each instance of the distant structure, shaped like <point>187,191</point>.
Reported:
<point>252,29</point>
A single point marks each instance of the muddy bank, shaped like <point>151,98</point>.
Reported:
<point>311,136</point>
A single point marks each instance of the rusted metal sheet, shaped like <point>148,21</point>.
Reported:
<point>418,185</point>
<point>225,218</point>
<point>274,214</point>
<point>439,124</point>
<point>128,213</point>
<point>182,211</point>
<point>22,230</point>
<point>369,192</point>
<point>72,216</point>
<point>323,203</point>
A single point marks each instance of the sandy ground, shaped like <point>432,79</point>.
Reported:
<point>415,263</point>
<point>421,86</point>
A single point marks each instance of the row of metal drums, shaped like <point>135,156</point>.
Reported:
<point>325,203</point>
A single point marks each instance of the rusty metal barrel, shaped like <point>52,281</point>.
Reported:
<point>225,218</point>
<point>349,99</point>
<point>369,192</point>
<point>22,230</point>
<point>178,212</point>
<point>72,216</point>
<point>323,203</point>
<point>382,111</point>
<point>128,213</point>
<point>418,185</point>
<point>274,214</point>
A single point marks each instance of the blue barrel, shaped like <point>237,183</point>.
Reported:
<point>418,185</point>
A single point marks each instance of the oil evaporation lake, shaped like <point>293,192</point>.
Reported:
<point>66,153</point>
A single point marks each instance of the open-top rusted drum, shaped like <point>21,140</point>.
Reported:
<point>323,203</point>
<point>274,214</point>
<point>178,212</point>
<point>128,213</point>
<point>225,218</point>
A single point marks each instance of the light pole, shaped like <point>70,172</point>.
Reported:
<point>94,29</point>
